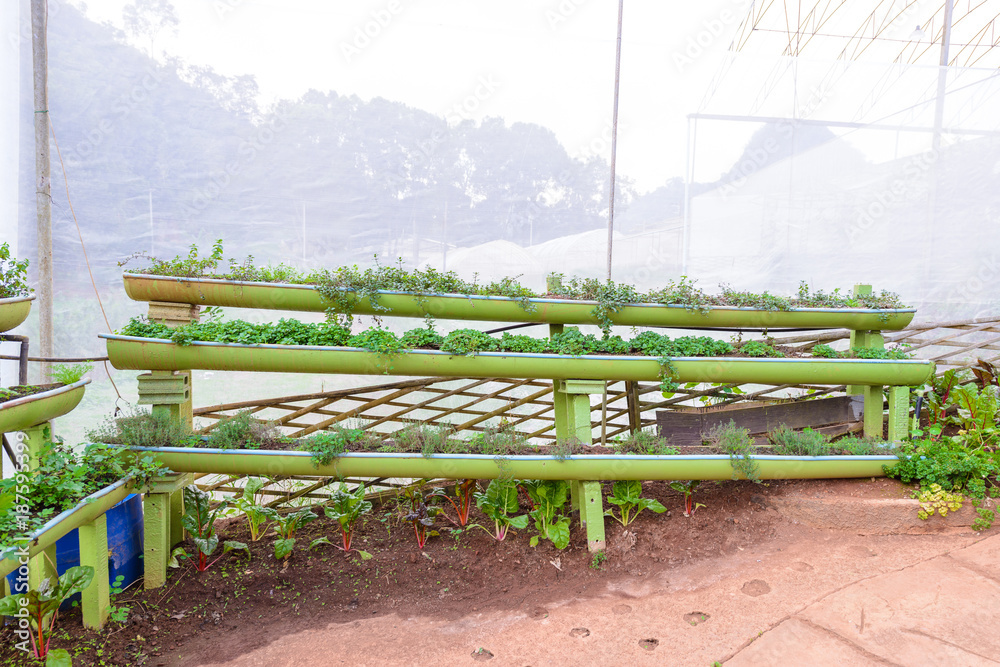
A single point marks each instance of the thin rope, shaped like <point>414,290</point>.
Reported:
<point>86,259</point>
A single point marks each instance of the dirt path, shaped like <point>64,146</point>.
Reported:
<point>805,595</point>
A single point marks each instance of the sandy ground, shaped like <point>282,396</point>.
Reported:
<point>825,590</point>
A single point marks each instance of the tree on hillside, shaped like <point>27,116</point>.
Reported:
<point>146,19</point>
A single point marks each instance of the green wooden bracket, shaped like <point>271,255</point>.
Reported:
<point>899,413</point>
<point>94,552</point>
<point>592,515</point>
<point>873,412</point>
<point>575,491</point>
<point>164,388</point>
<point>559,398</point>
<point>576,393</point>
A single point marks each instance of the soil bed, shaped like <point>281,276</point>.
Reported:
<point>241,604</point>
<point>20,391</point>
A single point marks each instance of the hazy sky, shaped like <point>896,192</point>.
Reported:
<point>544,61</point>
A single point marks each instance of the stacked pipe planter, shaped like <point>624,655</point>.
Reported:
<point>575,379</point>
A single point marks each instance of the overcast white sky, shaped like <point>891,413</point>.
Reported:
<point>544,61</point>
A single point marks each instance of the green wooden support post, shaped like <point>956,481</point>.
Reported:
<point>859,338</point>
<point>575,492</point>
<point>42,566</point>
<point>167,392</point>
<point>35,439</point>
<point>559,398</point>
<point>873,412</point>
<point>94,552</point>
<point>899,414</point>
<point>162,524</point>
<point>578,410</point>
<point>174,315</point>
<point>592,515</point>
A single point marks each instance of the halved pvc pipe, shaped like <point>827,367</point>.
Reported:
<point>133,353</point>
<point>280,296</point>
<point>14,311</point>
<point>28,411</point>
<point>479,466</point>
<point>84,512</point>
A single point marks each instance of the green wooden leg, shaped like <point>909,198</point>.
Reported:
<point>94,552</point>
<point>899,413</point>
<point>592,515</point>
<point>176,512</point>
<point>580,415</point>
<point>35,438</point>
<point>575,491</point>
<point>873,412</point>
<point>42,566</point>
<point>561,410</point>
<point>156,550</point>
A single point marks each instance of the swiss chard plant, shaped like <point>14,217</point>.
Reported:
<point>548,497</point>
<point>462,502</point>
<point>423,517</point>
<point>253,508</point>
<point>687,488</point>
<point>499,503</point>
<point>199,521</point>
<point>627,495</point>
<point>286,526</point>
<point>40,609</point>
<point>346,507</point>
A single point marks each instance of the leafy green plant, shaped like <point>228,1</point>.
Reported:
<point>687,487</point>
<point>346,507</point>
<point>730,439</point>
<point>977,410</point>
<point>468,341</point>
<point>199,521</point>
<point>285,526</point>
<point>41,609</point>
<point>645,442</point>
<point>325,446</point>
<point>378,340</point>
<point>756,348</point>
<point>598,560</point>
<point>896,352</point>
<point>627,495</point>
<point>191,266</point>
<point>68,374</point>
<point>243,431</point>
<point>462,502</point>
<point>117,613</point>
<point>498,503</point>
<point>807,442</point>
<point>422,516</point>
<point>935,499</point>
<point>138,428</point>
<point>548,497</point>
<point>253,509</point>
<point>824,350</point>
<point>13,275</point>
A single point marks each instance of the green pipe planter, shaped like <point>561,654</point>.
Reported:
<point>215,292</point>
<point>480,466</point>
<point>83,513</point>
<point>14,311</point>
<point>133,353</point>
<point>21,413</point>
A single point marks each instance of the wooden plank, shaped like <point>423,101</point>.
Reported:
<point>683,427</point>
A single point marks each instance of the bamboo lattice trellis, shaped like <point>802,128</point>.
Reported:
<point>471,405</point>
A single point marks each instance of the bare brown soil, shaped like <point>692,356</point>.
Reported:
<point>243,603</point>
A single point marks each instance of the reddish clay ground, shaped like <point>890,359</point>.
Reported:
<point>236,610</point>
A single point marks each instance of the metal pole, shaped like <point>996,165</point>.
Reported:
<point>942,74</point>
<point>43,187</point>
<point>152,233</point>
<point>614,136</point>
